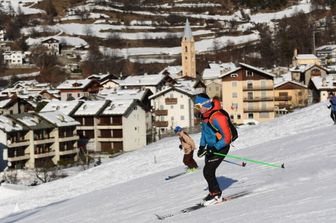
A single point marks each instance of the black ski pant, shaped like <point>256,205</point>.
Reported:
<point>333,116</point>
<point>209,170</point>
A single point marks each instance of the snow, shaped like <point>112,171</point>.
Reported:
<point>131,187</point>
<point>21,5</point>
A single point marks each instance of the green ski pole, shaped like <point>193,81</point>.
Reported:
<point>251,161</point>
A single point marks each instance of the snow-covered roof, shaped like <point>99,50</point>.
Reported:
<point>306,57</point>
<point>120,94</point>
<point>257,69</point>
<point>249,67</point>
<point>66,107</point>
<point>90,107</point>
<point>9,125</point>
<point>118,107</point>
<point>216,69</point>
<point>58,118</point>
<point>74,84</point>
<point>324,83</point>
<point>283,78</point>
<point>293,82</point>
<point>5,102</point>
<point>184,86</point>
<point>326,48</point>
<point>32,120</point>
<point>304,67</point>
<point>142,80</point>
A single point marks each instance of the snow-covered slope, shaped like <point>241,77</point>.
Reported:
<point>131,187</point>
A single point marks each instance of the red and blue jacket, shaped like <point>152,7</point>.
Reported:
<point>218,139</point>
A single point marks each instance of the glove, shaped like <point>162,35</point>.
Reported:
<point>201,151</point>
<point>180,146</point>
<point>210,151</point>
<point>329,106</point>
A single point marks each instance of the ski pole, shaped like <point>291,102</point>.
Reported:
<point>251,161</point>
<point>243,164</point>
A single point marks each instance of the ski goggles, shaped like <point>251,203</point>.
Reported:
<point>198,106</point>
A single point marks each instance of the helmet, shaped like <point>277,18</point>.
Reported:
<point>204,100</point>
<point>177,129</point>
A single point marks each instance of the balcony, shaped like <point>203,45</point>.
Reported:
<point>283,98</point>
<point>68,151</point>
<point>18,144</point>
<point>171,101</point>
<point>44,141</point>
<point>259,109</point>
<point>43,155</point>
<point>254,99</point>
<point>18,158</point>
<point>114,139</point>
<point>69,138</point>
<point>258,88</point>
<point>161,124</point>
<point>161,112</point>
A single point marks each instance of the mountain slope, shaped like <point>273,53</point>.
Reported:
<point>131,188</point>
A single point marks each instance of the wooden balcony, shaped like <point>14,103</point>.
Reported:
<point>171,101</point>
<point>252,99</point>
<point>161,112</point>
<point>283,98</point>
<point>259,109</point>
<point>161,124</point>
<point>258,88</point>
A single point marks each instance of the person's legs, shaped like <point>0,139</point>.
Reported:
<point>209,173</point>
<point>187,160</point>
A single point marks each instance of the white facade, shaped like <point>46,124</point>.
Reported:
<point>2,34</point>
<point>134,129</point>
<point>168,114</point>
<point>14,57</point>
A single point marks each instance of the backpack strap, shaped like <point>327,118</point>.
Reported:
<point>217,133</point>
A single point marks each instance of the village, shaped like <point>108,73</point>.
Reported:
<point>109,114</point>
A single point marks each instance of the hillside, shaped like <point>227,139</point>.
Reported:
<point>144,36</point>
<point>131,187</point>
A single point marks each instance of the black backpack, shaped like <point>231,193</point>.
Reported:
<point>233,129</point>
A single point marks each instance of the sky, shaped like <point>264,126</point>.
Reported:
<point>132,186</point>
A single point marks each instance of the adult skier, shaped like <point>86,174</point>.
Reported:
<point>212,141</point>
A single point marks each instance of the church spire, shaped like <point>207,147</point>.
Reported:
<point>187,31</point>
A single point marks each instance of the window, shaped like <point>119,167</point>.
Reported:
<point>263,83</point>
<point>250,115</point>
<point>181,106</point>
<point>186,49</point>
<point>172,107</point>
<point>234,95</point>
<point>238,116</point>
<point>250,95</point>
<point>249,73</point>
<point>182,117</point>
<point>234,83</point>
<point>250,85</point>
<point>234,75</point>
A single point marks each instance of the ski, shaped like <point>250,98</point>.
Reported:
<point>200,205</point>
<point>174,176</point>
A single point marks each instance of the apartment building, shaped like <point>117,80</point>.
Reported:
<point>248,94</point>
<point>290,95</point>
<point>111,126</point>
<point>30,140</point>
